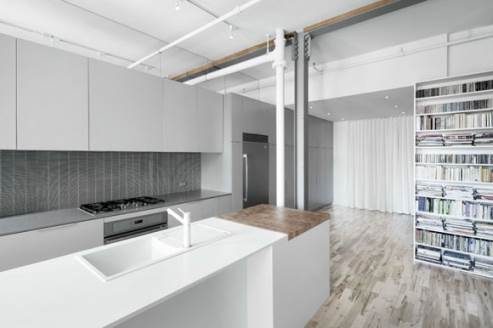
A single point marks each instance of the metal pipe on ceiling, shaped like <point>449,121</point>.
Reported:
<point>187,36</point>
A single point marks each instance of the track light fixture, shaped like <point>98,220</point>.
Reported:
<point>178,4</point>
<point>231,35</point>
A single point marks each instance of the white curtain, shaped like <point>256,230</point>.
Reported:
<point>373,164</point>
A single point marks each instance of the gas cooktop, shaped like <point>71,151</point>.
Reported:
<point>120,204</point>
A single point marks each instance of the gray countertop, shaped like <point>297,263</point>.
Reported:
<point>34,221</point>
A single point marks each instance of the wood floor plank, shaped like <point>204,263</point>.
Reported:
<point>375,282</point>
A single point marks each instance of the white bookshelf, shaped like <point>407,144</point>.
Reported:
<point>475,96</point>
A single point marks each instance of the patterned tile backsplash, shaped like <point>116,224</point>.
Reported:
<point>34,181</point>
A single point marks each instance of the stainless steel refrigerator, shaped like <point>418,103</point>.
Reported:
<point>255,169</point>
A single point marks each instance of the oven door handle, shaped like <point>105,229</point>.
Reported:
<point>134,233</point>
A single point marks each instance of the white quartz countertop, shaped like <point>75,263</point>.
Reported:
<point>62,292</point>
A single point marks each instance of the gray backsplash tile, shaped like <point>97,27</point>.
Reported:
<point>34,181</point>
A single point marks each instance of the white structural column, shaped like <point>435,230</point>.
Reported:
<point>279,65</point>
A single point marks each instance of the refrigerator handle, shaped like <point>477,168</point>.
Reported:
<point>245,177</point>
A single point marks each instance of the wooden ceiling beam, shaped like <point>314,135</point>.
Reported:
<point>351,17</point>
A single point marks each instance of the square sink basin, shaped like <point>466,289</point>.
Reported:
<point>112,261</point>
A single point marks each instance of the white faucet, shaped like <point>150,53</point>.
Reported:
<point>185,221</point>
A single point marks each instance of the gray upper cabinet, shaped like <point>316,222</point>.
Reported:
<point>181,122</point>
<point>125,109</point>
<point>210,121</point>
<point>52,104</point>
<point>7,93</point>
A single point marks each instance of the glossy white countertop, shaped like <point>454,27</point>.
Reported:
<point>62,292</point>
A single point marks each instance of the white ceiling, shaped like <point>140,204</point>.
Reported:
<point>134,28</point>
<point>366,106</point>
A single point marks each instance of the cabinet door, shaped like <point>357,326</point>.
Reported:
<point>52,99</point>
<point>180,117</point>
<point>259,118</point>
<point>210,118</point>
<point>224,204</point>
<point>39,245</point>
<point>7,93</point>
<point>125,109</point>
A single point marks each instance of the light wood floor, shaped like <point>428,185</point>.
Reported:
<point>374,282</point>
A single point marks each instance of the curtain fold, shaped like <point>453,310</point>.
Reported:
<point>373,164</point>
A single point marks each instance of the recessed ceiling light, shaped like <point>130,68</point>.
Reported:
<point>403,113</point>
<point>386,97</point>
<point>396,106</point>
<point>342,119</point>
<point>328,114</point>
<point>311,107</point>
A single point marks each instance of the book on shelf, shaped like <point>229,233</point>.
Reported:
<point>455,121</point>
<point>477,210</point>
<point>454,242</point>
<point>455,89</point>
<point>458,106</point>
<point>454,158</point>
<point>451,173</point>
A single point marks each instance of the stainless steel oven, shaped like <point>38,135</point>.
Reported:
<point>128,228</point>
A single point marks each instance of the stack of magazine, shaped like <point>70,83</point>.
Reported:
<point>484,266</point>
<point>483,193</point>
<point>483,138</point>
<point>425,222</point>
<point>484,230</point>
<point>459,226</point>
<point>429,190</point>
<point>430,140</point>
<point>459,139</point>
<point>457,260</point>
<point>428,254</point>
<point>462,192</point>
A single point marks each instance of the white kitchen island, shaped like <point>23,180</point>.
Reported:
<point>227,283</point>
<point>253,278</point>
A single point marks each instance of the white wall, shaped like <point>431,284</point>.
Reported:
<point>398,66</point>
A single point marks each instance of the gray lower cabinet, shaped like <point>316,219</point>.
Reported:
<point>125,109</point>
<point>180,117</point>
<point>34,246</point>
<point>52,104</point>
<point>7,93</point>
